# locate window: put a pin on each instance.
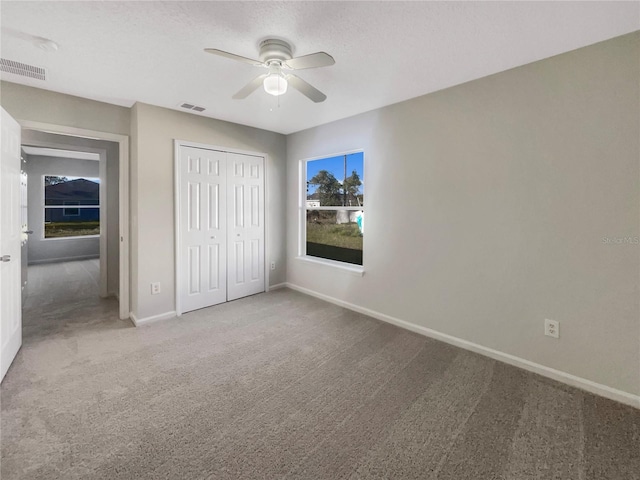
(71, 212)
(333, 208)
(82, 218)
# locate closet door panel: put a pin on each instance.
(245, 187)
(202, 228)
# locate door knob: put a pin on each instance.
(5, 258)
(29, 232)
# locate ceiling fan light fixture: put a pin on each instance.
(276, 55)
(275, 84)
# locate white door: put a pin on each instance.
(202, 234)
(245, 200)
(24, 221)
(10, 237)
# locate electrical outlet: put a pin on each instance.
(155, 288)
(273, 265)
(551, 328)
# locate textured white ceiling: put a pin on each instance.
(385, 52)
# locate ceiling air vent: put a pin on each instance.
(19, 68)
(191, 106)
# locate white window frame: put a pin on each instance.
(64, 207)
(303, 208)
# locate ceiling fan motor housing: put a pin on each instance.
(275, 50)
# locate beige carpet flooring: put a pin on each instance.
(282, 385)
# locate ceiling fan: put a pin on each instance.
(276, 56)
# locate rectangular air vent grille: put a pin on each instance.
(191, 106)
(19, 68)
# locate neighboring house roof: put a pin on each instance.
(314, 196)
(78, 190)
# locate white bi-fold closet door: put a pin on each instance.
(220, 228)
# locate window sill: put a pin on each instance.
(356, 270)
(77, 237)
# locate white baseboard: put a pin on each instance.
(558, 375)
(154, 318)
(278, 286)
(62, 259)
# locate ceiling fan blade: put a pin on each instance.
(313, 60)
(250, 87)
(307, 90)
(233, 56)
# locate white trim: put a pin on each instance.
(154, 318)
(218, 148)
(278, 286)
(123, 212)
(347, 267)
(333, 154)
(76, 237)
(63, 259)
(266, 200)
(69, 205)
(123, 193)
(176, 208)
(558, 375)
(176, 226)
(102, 199)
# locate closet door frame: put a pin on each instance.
(176, 201)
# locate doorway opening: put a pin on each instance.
(76, 250)
(69, 207)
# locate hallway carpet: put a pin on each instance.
(282, 385)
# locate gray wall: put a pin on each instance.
(152, 164)
(487, 206)
(43, 250)
(37, 105)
